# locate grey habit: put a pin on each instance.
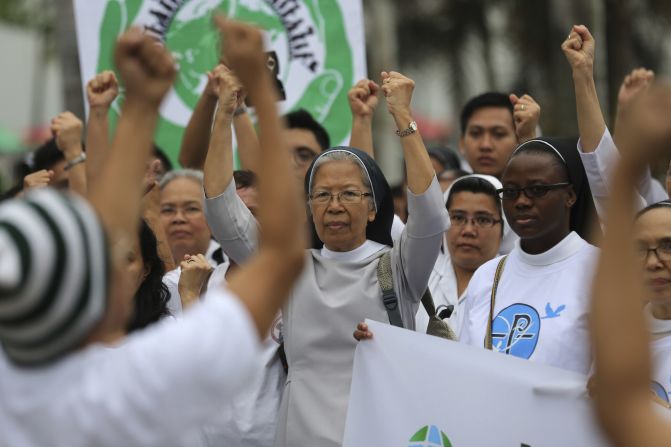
(327, 302)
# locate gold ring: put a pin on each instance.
(523, 107)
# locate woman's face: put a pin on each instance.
(183, 218)
(340, 226)
(653, 230)
(474, 243)
(540, 222)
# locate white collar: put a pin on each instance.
(655, 325)
(566, 248)
(360, 253)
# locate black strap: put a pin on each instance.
(389, 298)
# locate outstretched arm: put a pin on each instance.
(579, 51)
(101, 91)
(147, 71)
(196, 137)
(362, 102)
(620, 337)
(263, 284)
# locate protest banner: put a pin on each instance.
(319, 45)
(415, 390)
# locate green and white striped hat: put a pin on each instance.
(53, 275)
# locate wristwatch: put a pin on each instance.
(81, 158)
(412, 128)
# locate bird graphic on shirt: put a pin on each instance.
(553, 313)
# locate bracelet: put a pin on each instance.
(239, 111)
(81, 158)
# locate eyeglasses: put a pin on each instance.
(662, 251)
(479, 220)
(347, 196)
(532, 192)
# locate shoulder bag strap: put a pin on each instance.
(386, 281)
(490, 322)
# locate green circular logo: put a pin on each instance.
(429, 436)
(309, 37)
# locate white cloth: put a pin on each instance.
(600, 166)
(443, 288)
(360, 253)
(541, 307)
(156, 389)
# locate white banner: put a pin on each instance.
(319, 44)
(414, 390)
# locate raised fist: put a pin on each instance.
(67, 129)
(145, 67)
(526, 113)
(102, 90)
(363, 98)
(242, 47)
(645, 131)
(397, 90)
(579, 49)
(229, 89)
(634, 83)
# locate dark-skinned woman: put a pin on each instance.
(539, 311)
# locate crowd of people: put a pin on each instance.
(141, 304)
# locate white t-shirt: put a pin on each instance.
(541, 307)
(661, 355)
(156, 389)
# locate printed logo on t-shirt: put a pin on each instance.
(659, 391)
(515, 330)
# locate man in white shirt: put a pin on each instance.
(163, 382)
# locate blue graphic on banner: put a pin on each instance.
(515, 330)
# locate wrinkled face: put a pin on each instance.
(340, 226)
(489, 140)
(183, 218)
(304, 148)
(653, 230)
(250, 197)
(540, 222)
(471, 245)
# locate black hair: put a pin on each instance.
(654, 206)
(44, 157)
(151, 298)
(489, 99)
(476, 185)
(301, 119)
(458, 173)
(165, 161)
(244, 179)
(447, 156)
(540, 148)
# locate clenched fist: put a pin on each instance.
(145, 67)
(102, 90)
(397, 90)
(579, 49)
(363, 98)
(67, 129)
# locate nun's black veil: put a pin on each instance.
(379, 230)
(584, 219)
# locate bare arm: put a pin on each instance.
(248, 141)
(620, 337)
(100, 92)
(196, 137)
(219, 161)
(579, 51)
(264, 283)
(147, 71)
(398, 92)
(68, 130)
(362, 102)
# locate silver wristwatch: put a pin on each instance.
(412, 128)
